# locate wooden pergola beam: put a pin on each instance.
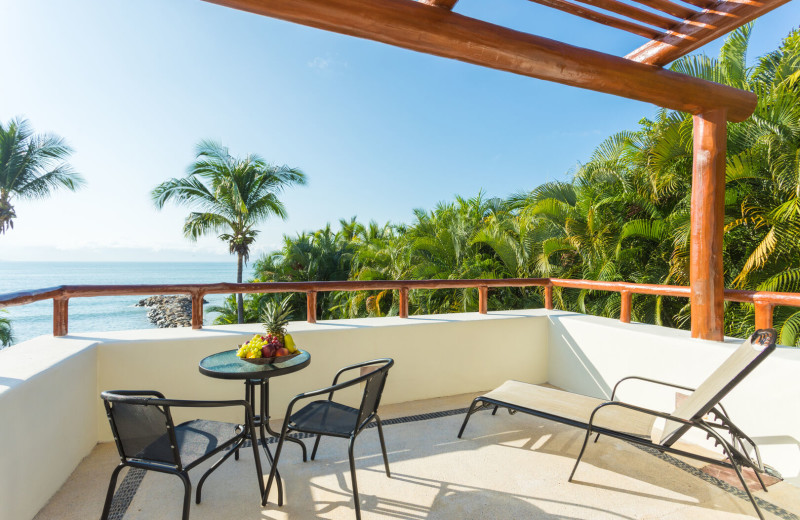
(414, 26)
(634, 13)
(611, 21)
(711, 23)
(665, 6)
(444, 4)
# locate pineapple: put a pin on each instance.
(276, 316)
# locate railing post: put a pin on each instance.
(60, 316)
(403, 312)
(197, 310)
(625, 309)
(483, 299)
(548, 297)
(311, 306)
(763, 315)
(707, 223)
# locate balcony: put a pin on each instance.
(504, 467)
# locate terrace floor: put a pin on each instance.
(505, 467)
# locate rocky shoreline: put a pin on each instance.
(169, 311)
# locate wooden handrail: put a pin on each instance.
(764, 301)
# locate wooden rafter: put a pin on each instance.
(617, 23)
(443, 33)
(635, 13)
(444, 4)
(711, 23)
(671, 8)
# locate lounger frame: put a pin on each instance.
(713, 421)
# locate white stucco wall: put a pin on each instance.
(48, 393)
(51, 414)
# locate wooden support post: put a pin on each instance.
(311, 306)
(707, 220)
(197, 310)
(60, 316)
(548, 297)
(483, 299)
(625, 309)
(403, 302)
(763, 315)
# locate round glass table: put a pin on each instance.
(226, 365)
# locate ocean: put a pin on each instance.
(107, 313)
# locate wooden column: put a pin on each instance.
(197, 311)
(403, 302)
(548, 297)
(60, 316)
(625, 309)
(483, 299)
(311, 306)
(707, 220)
(763, 315)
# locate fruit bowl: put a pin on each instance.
(270, 360)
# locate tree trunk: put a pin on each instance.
(239, 300)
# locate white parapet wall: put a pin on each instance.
(52, 414)
(589, 354)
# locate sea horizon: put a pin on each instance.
(108, 313)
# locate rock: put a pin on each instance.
(169, 311)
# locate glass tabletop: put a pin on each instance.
(226, 365)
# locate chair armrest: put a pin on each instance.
(353, 367)
(648, 380)
(184, 403)
(327, 390)
(692, 424)
(132, 393)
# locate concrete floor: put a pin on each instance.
(505, 467)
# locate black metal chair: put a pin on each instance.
(327, 417)
(147, 438)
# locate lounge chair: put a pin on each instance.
(701, 409)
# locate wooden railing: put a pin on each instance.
(764, 302)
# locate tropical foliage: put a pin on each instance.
(623, 217)
(31, 167)
(6, 336)
(230, 195)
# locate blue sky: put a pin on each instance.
(134, 85)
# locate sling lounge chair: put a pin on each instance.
(701, 409)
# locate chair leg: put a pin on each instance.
(257, 457)
(583, 448)
(494, 412)
(214, 467)
(469, 413)
(110, 494)
(383, 445)
(353, 477)
(273, 472)
(316, 445)
(187, 495)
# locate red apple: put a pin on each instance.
(267, 351)
(283, 351)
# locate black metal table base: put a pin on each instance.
(261, 421)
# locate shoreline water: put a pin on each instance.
(104, 313)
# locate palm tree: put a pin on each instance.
(6, 336)
(31, 166)
(231, 195)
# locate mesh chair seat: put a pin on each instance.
(196, 440)
(326, 417)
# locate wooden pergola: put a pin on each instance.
(673, 29)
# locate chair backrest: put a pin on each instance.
(373, 389)
(142, 429)
(738, 365)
